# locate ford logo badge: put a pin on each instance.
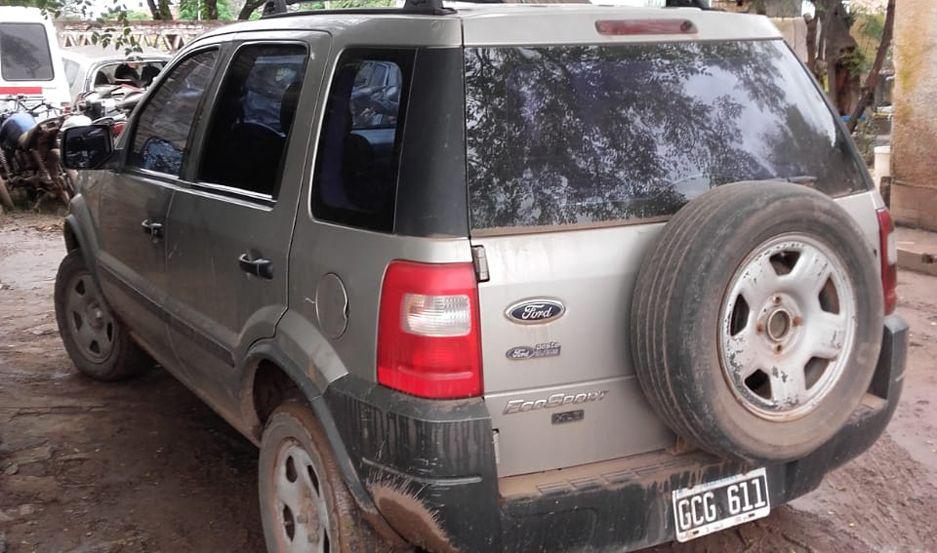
(535, 311)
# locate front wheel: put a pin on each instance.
(97, 341)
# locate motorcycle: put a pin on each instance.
(30, 157)
(110, 105)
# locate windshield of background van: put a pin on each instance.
(567, 135)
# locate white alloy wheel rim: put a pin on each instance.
(787, 326)
(301, 517)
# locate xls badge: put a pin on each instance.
(535, 311)
(520, 353)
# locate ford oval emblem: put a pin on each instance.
(535, 311)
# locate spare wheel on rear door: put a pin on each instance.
(756, 321)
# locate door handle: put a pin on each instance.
(260, 267)
(152, 228)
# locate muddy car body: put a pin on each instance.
(468, 308)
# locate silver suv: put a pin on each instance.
(511, 278)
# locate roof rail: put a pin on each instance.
(278, 8)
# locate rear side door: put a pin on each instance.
(230, 228)
(134, 201)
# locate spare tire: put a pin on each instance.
(756, 321)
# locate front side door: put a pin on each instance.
(134, 201)
(230, 231)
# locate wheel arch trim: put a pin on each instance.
(269, 351)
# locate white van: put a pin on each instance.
(30, 62)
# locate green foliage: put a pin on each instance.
(188, 9)
(856, 62)
(340, 4)
(117, 36)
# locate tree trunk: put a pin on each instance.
(164, 13)
(154, 10)
(838, 45)
(211, 7)
(812, 44)
(249, 8)
(868, 91)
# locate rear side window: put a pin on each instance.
(163, 126)
(253, 116)
(357, 161)
(24, 52)
(578, 135)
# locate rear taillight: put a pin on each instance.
(428, 341)
(889, 256)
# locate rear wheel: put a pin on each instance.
(304, 505)
(757, 321)
(96, 340)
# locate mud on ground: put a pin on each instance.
(146, 466)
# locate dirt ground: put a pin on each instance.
(145, 466)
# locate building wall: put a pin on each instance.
(914, 131)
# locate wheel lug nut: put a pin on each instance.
(759, 328)
(798, 320)
(777, 300)
(777, 348)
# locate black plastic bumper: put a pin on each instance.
(430, 467)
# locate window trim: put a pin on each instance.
(45, 33)
(362, 51)
(127, 167)
(222, 75)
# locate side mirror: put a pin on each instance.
(86, 147)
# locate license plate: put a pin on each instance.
(714, 506)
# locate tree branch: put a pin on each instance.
(871, 82)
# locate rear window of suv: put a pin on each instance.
(24, 52)
(580, 135)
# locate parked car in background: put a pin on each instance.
(30, 63)
(88, 68)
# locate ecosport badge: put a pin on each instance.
(535, 311)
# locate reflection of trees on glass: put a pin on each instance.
(24, 52)
(576, 134)
(163, 126)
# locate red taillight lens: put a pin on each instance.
(889, 256)
(428, 341)
(645, 27)
(118, 127)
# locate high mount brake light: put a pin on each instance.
(889, 256)
(428, 341)
(614, 27)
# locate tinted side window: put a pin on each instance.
(24, 52)
(355, 181)
(254, 112)
(163, 126)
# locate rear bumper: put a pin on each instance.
(430, 467)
